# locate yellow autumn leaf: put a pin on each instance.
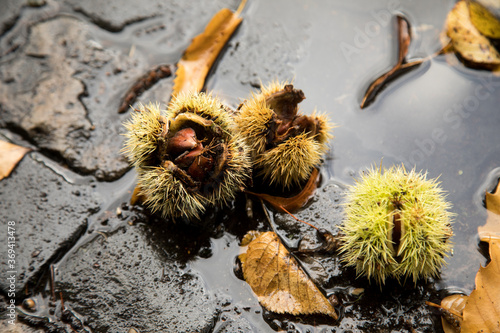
(483, 18)
(468, 41)
(10, 155)
(491, 230)
(200, 55)
(279, 282)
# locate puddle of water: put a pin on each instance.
(437, 118)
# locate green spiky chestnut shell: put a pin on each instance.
(285, 145)
(397, 225)
(187, 157)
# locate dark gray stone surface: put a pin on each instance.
(18, 327)
(41, 98)
(114, 15)
(230, 323)
(49, 215)
(128, 280)
(9, 13)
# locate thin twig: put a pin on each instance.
(309, 224)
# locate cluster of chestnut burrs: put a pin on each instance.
(198, 153)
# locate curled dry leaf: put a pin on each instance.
(10, 155)
(401, 66)
(468, 41)
(292, 204)
(200, 55)
(279, 282)
(491, 230)
(482, 311)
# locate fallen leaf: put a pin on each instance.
(453, 304)
(468, 42)
(482, 311)
(10, 155)
(401, 66)
(279, 282)
(491, 230)
(137, 197)
(485, 15)
(199, 57)
(292, 204)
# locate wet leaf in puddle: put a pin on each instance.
(10, 155)
(491, 230)
(401, 66)
(453, 307)
(292, 204)
(279, 282)
(468, 41)
(199, 57)
(485, 15)
(482, 311)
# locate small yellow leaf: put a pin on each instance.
(468, 41)
(200, 55)
(278, 281)
(481, 14)
(482, 311)
(491, 230)
(10, 155)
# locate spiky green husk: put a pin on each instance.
(253, 124)
(161, 185)
(290, 162)
(142, 134)
(204, 105)
(324, 130)
(235, 174)
(166, 194)
(423, 212)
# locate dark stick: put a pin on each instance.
(143, 84)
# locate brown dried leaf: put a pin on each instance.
(199, 57)
(491, 230)
(472, 46)
(401, 66)
(292, 204)
(482, 311)
(454, 304)
(137, 197)
(278, 281)
(10, 155)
